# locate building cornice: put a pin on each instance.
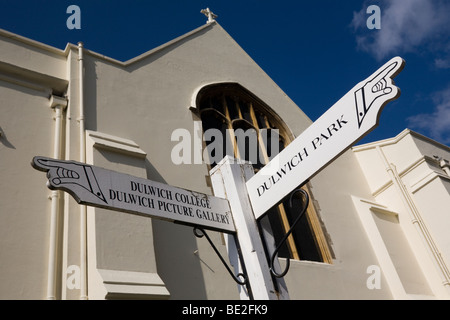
(70, 46)
(33, 43)
(396, 139)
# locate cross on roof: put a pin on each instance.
(211, 16)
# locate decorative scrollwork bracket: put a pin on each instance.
(199, 233)
(274, 254)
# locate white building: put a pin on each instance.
(376, 228)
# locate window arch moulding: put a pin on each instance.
(235, 86)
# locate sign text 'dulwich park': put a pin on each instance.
(347, 121)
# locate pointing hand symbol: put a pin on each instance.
(66, 175)
(379, 89)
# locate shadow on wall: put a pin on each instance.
(176, 262)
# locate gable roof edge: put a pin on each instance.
(168, 44)
(263, 71)
(150, 52)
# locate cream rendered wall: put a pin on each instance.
(26, 130)
(436, 213)
(32, 55)
(405, 177)
(29, 73)
(332, 189)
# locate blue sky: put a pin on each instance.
(315, 51)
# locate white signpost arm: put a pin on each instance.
(228, 180)
(99, 187)
(347, 121)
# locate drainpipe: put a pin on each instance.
(417, 220)
(58, 104)
(83, 209)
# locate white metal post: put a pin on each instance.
(228, 180)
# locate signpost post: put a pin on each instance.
(228, 179)
(248, 196)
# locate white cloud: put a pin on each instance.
(442, 63)
(412, 26)
(437, 123)
(407, 25)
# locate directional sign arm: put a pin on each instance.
(347, 121)
(99, 187)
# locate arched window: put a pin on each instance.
(250, 130)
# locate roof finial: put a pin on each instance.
(211, 16)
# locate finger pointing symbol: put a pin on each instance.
(379, 88)
(67, 175)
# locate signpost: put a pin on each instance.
(347, 121)
(248, 196)
(108, 189)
